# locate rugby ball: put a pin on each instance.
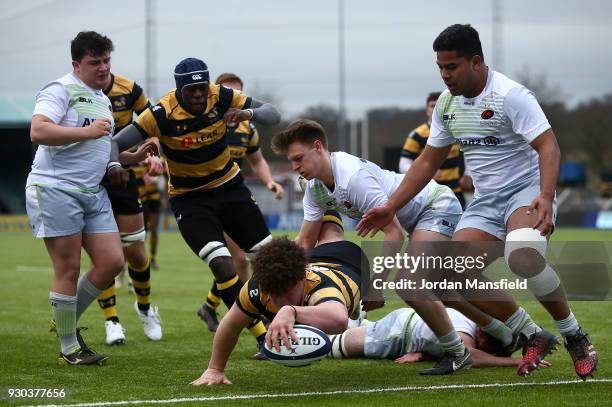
(312, 345)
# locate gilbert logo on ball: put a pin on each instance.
(312, 345)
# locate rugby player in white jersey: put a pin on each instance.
(352, 185)
(67, 207)
(403, 336)
(513, 156)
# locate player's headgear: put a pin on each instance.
(191, 71)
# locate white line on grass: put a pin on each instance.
(325, 393)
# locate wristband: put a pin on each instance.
(251, 113)
(112, 164)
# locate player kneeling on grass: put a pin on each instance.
(287, 287)
(403, 336)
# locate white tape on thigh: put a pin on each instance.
(253, 250)
(128, 239)
(544, 283)
(525, 238)
(213, 250)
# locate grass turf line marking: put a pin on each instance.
(325, 393)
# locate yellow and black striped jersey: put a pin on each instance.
(324, 282)
(126, 98)
(195, 147)
(452, 168)
(243, 139)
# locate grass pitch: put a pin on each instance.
(142, 371)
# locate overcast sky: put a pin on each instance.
(290, 48)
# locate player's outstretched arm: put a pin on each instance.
(223, 344)
(419, 174)
(260, 112)
(308, 235)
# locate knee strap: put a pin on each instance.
(128, 239)
(213, 250)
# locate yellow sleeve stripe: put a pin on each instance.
(412, 146)
(326, 293)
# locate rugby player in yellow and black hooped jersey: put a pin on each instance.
(127, 98)
(243, 141)
(207, 191)
(451, 172)
(321, 290)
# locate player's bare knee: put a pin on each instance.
(115, 263)
(136, 255)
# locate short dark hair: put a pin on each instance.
(90, 43)
(433, 97)
(462, 38)
(279, 266)
(303, 130)
(229, 77)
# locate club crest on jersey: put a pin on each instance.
(487, 114)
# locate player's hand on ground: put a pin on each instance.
(281, 328)
(234, 116)
(117, 176)
(544, 363)
(211, 377)
(542, 205)
(277, 188)
(410, 357)
(374, 220)
(156, 168)
(97, 128)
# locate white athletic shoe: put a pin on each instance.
(151, 322)
(115, 334)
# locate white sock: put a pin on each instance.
(568, 326)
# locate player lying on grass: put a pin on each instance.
(403, 336)
(321, 290)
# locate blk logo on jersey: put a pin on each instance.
(84, 100)
(487, 114)
(448, 116)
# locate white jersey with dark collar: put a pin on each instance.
(358, 186)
